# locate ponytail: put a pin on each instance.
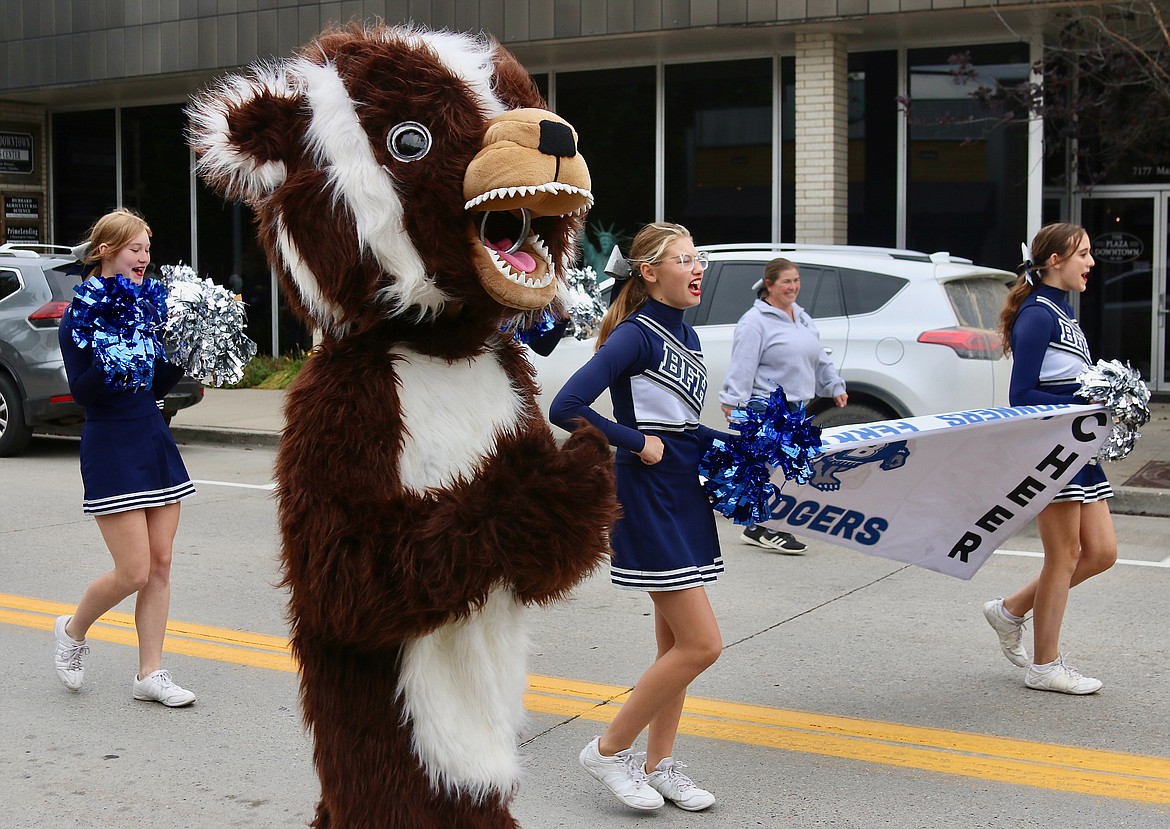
(648, 248)
(1058, 239)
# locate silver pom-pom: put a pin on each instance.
(585, 306)
(204, 331)
(1121, 390)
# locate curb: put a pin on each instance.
(1140, 500)
(225, 437)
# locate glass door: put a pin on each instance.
(1162, 278)
(1123, 310)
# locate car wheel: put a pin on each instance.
(848, 415)
(14, 432)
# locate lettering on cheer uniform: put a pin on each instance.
(1072, 336)
(681, 370)
(1085, 429)
(669, 398)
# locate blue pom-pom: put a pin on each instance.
(119, 321)
(523, 329)
(738, 470)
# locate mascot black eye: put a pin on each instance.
(408, 141)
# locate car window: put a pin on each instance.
(977, 301)
(733, 293)
(866, 291)
(9, 282)
(820, 292)
(62, 279)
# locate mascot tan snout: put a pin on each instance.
(412, 193)
(529, 166)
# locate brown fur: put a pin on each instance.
(372, 563)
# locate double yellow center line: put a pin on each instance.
(1112, 774)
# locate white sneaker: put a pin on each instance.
(622, 774)
(670, 782)
(1010, 633)
(158, 687)
(68, 655)
(1063, 679)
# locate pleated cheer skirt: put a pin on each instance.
(1088, 486)
(666, 537)
(131, 464)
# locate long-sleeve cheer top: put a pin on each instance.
(653, 366)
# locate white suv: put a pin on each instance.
(910, 333)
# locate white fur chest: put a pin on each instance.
(462, 685)
(452, 413)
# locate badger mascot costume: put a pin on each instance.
(414, 196)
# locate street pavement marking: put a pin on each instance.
(1130, 562)
(267, 487)
(1112, 774)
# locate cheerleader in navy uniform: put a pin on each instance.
(133, 475)
(1076, 529)
(665, 542)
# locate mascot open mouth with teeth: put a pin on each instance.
(413, 194)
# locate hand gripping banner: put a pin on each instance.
(940, 491)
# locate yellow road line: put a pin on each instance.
(1063, 768)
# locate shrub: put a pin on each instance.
(266, 372)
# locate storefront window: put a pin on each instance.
(787, 149)
(155, 178)
(85, 182)
(873, 148)
(719, 149)
(230, 254)
(613, 113)
(967, 170)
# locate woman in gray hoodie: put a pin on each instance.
(776, 343)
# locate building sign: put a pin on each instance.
(1117, 248)
(31, 234)
(27, 208)
(16, 153)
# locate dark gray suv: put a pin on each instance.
(36, 286)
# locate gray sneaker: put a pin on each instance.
(1064, 679)
(622, 774)
(158, 687)
(670, 782)
(1010, 633)
(68, 655)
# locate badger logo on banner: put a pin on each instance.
(941, 491)
(826, 468)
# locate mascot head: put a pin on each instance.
(400, 177)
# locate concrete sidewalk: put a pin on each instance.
(254, 417)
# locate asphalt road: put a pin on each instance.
(853, 691)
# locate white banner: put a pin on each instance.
(940, 491)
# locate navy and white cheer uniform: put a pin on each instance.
(1049, 351)
(652, 365)
(128, 458)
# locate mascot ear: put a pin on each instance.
(246, 129)
(512, 83)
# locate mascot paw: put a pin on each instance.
(588, 445)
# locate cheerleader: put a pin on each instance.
(1076, 529)
(665, 543)
(133, 475)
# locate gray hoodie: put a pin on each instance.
(769, 348)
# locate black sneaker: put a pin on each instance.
(772, 540)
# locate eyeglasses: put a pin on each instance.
(688, 261)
